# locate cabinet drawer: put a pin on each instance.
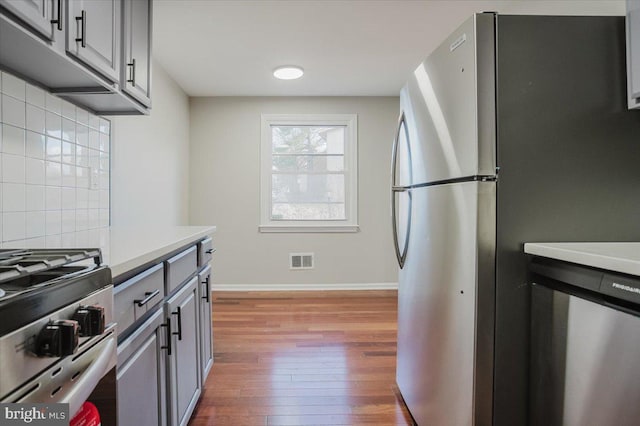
(205, 252)
(134, 297)
(180, 267)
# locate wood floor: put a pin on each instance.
(303, 358)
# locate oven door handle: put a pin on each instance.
(77, 394)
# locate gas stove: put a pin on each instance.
(57, 335)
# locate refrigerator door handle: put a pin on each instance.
(401, 254)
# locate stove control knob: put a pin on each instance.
(58, 338)
(90, 319)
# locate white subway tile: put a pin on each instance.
(39, 242)
(13, 140)
(34, 171)
(68, 110)
(104, 217)
(104, 161)
(54, 240)
(53, 103)
(94, 199)
(82, 219)
(68, 240)
(68, 221)
(35, 95)
(69, 175)
(94, 122)
(104, 142)
(68, 130)
(82, 116)
(104, 180)
(35, 198)
(94, 219)
(105, 126)
(82, 198)
(82, 135)
(104, 199)
(94, 139)
(68, 198)
(53, 198)
(13, 86)
(35, 145)
(82, 177)
(13, 111)
(13, 226)
(53, 173)
(35, 119)
(54, 125)
(54, 149)
(53, 222)
(94, 158)
(13, 168)
(35, 224)
(82, 156)
(13, 197)
(68, 153)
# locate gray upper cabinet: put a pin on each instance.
(39, 15)
(633, 53)
(93, 34)
(136, 70)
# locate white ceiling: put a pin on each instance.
(347, 48)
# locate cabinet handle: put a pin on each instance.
(132, 64)
(206, 283)
(83, 28)
(179, 314)
(150, 295)
(58, 19)
(210, 251)
(169, 334)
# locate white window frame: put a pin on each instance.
(350, 121)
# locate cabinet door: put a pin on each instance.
(38, 14)
(93, 34)
(136, 79)
(206, 338)
(141, 381)
(184, 388)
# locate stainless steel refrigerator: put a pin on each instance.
(514, 130)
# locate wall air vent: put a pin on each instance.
(300, 260)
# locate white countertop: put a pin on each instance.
(124, 249)
(618, 257)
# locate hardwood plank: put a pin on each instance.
(303, 358)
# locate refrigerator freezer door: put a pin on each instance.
(445, 305)
(449, 105)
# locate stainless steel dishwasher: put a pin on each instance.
(585, 346)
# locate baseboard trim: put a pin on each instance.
(304, 287)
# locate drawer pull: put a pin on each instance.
(206, 288)
(210, 251)
(149, 295)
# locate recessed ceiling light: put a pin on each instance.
(288, 72)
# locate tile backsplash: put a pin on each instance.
(54, 168)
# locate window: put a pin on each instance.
(309, 173)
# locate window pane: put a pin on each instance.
(281, 211)
(307, 139)
(307, 163)
(303, 188)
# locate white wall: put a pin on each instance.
(225, 191)
(150, 160)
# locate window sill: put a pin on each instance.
(308, 228)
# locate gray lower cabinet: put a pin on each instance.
(181, 312)
(141, 375)
(37, 14)
(206, 337)
(93, 34)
